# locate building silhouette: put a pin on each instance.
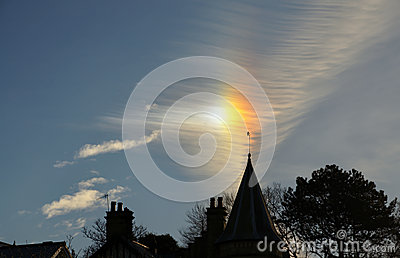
(248, 224)
(120, 241)
(45, 249)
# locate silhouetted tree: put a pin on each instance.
(96, 233)
(70, 238)
(395, 237)
(160, 244)
(196, 220)
(274, 197)
(334, 200)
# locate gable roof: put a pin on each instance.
(123, 245)
(45, 249)
(249, 218)
(3, 244)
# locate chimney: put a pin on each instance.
(216, 221)
(119, 223)
(220, 202)
(212, 202)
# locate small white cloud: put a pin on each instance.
(63, 163)
(114, 193)
(95, 172)
(63, 223)
(70, 225)
(84, 199)
(151, 107)
(80, 223)
(91, 182)
(89, 150)
(24, 212)
(81, 200)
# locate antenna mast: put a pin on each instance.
(106, 197)
(248, 134)
(108, 203)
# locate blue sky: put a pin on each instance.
(330, 69)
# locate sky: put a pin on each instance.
(331, 71)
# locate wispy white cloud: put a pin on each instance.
(90, 150)
(84, 199)
(63, 163)
(91, 182)
(293, 48)
(110, 122)
(72, 224)
(319, 41)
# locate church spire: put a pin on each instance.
(249, 218)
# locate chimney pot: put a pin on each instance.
(212, 202)
(113, 205)
(120, 206)
(220, 202)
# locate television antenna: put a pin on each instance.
(105, 196)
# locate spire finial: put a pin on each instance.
(248, 134)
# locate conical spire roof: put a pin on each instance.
(249, 218)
